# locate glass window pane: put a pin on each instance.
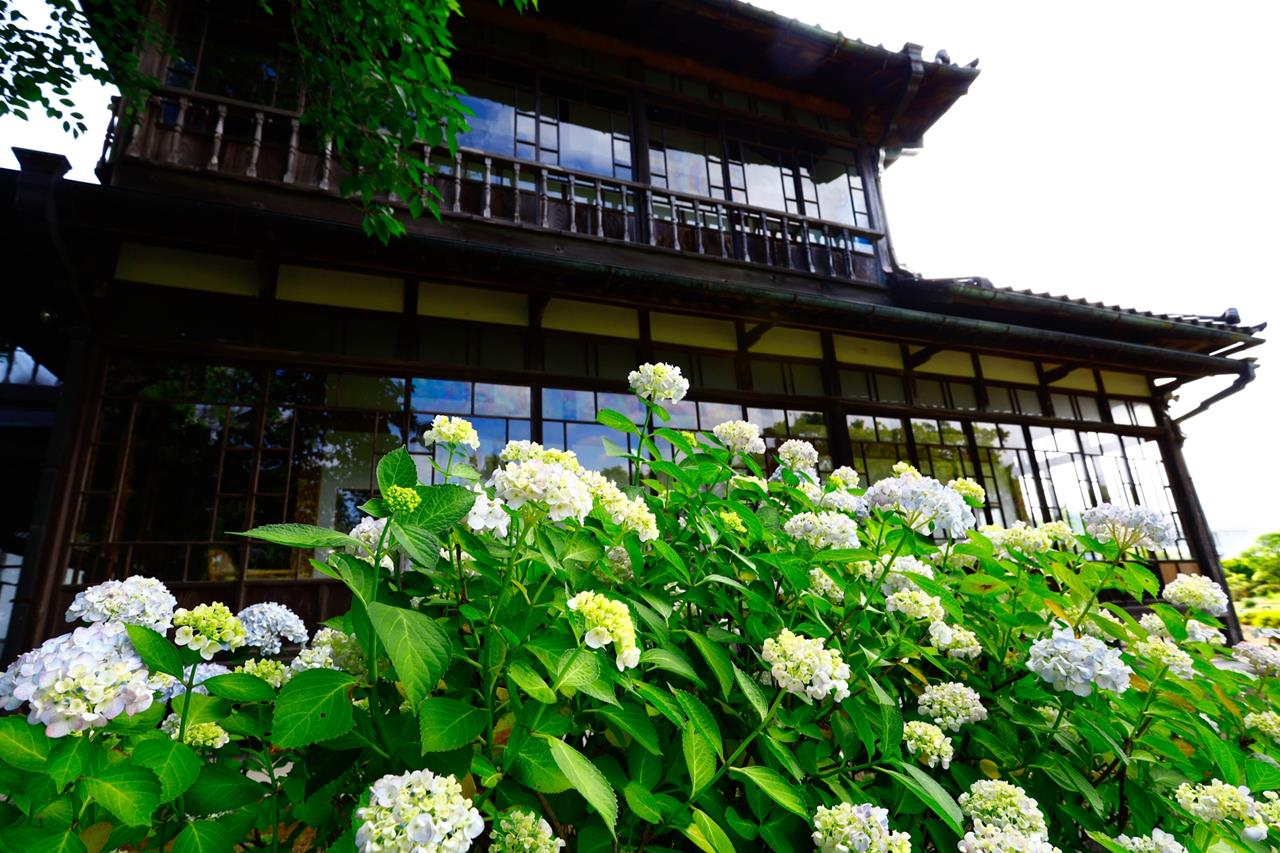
(1088, 407)
(508, 400)
(764, 177)
(560, 404)
(712, 414)
(767, 376)
(1029, 402)
(855, 384)
(889, 388)
(1120, 412)
(806, 379)
(929, 393)
(492, 128)
(1062, 407)
(834, 201)
(963, 395)
(441, 396)
(718, 371)
(627, 404)
(1143, 414)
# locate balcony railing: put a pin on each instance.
(247, 141)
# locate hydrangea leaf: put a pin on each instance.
(67, 760)
(130, 793)
(315, 705)
(587, 779)
(449, 724)
(717, 660)
(530, 682)
(634, 721)
(397, 469)
(204, 836)
(240, 687)
(701, 719)
(931, 794)
(616, 421)
(777, 788)
(755, 696)
(176, 765)
(418, 647)
(23, 745)
(700, 760)
(442, 507)
(156, 651)
(299, 536)
(220, 788)
(61, 842)
(420, 544)
(707, 835)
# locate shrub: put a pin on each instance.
(700, 658)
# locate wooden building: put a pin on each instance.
(207, 341)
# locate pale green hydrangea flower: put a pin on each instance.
(208, 629)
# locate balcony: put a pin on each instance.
(207, 135)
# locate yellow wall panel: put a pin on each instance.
(1080, 379)
(800, 343)
(474, 304)
(1130, 384)
(949, 363)
(593, 318)
(192, 270)
(1000, 369)
(692, 331)
(321, 286)
(866, 351)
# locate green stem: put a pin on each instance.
(644, 438)
(1093, 599)
(742, 747)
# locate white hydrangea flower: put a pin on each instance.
(369, 532)
(135, 600)
(1262, 661)
(864, 828)
(951, 705)
(198, 735)
(658, 382)
(745, 481)
(916, 604)
(740, 437)
(1164, 654)
(985, 838)
(1196, 591)
(273, 672)
(1078, 664)
(1129, 527)
(78, 681)
(457, 432)
(550, 484)
(822, 584)
(620, 568)
(898, 577)
(417, 812)
(1266, 722)
(805, 667)
(633, 514)
(954, 640)
(523, 451)
(1153, 625)
(208, 629)
(608, 621)
(843, 501)
(489, 514)
(1158, 841)
(266, 624)
(522, 831)
(1058, 531)
(843, 478)
(332, 649)
(998, 803)
(1217, 801)
(1017, 537)
(922, 502)
(823, 530)
(929, 743)
(799, 455)
(1198, 632)
(966, 487)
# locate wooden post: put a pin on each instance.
(218, 130)
(258, 120)
(291, 166)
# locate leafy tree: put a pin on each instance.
(376, 73)
(1256, 571)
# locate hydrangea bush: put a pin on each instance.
(726, 652)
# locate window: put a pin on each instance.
(779, 425)
(878, 445)
(230, 50)
(786, 377)
(500, 413)
(684, 154)
(1007, 474)
(569, 423)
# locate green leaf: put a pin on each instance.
(315, 705)
(530, 682)
(62, 842)
(23, 745)
(419, 648)
(707, 835)
(176, 765)
(671, 661)
(534, 767)
(642, 803)
(449, 724)
(1261, 776)
(616, 421)
(240, 687)
(699, 758)
(204, 836)
(575, 669)
(775, 787)
(663, 701)
(717, 659)
(156, 651)
(584, 548)
(1062, 772)
(634, 721)
(130, 793)
(219, 789)
(299, 536)
(755, 696)
(397, 469)
(67, 760)
(587, 779)
(420, 544)
(442, 506)
(701, 720)
(931, 794)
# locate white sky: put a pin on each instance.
(1121, 151)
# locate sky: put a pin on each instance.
(1118, 151)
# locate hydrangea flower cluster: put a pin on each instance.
(608, 621)
(1267, 722)
(985, 838)
(805, 667)
(619, 561)
(1197, 631)
(402, 500)
(198, 735)
(1165, 654)
(457, 432)
(915, 604)
(1078, 664)
(969, 488)
(658, 382)
(170, 688)
(273, 672)
(489, 514)
(822, 584)
(550, 484)
(1196, 591)
(739, 437)
(369, 533)
(522, 831)
(823, 530)
(523, 451)
(332, 649)
(746, 481)
(1019, 536)
(1000, 804)
(898, 577)
(1217, 801)
(799, 455)
(863, 827)
(633, 514)
(843, 501)
(922, 501)
(79, 680)
(1262, 661)
(1129, 527)
(843, 478)
(135, 600)
(951, 705)
(268, 623)
(732, 521)
(1158, 841)
(955, 641)
(208, 629)
(417, 811)
(1058, 531)
(929, 743)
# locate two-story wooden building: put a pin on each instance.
(211, 343)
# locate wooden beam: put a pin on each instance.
(1060, 372)
(922, 355)
(753, 335)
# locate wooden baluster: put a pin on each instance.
(218, 130)
(258, 120)
(697, 225)
(488, 186)
(675, 223)
(648, 212)
(457, 182)
(573, 204)
(599, 211)
(768, 238)
(515, 191)
(626, 216)
(135, 141)
(326, 165)
(426, 172)
(176, 139)
(826, 241)
(848, 251)
(291, 165)
(724, 253)
(746, 243)
(544, 203)
(808, 247)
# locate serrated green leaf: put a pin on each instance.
(204, 836)
(397, 469)
(755, 696)
(534, 767)
(61, 842)
(23, 745)
(218, 789)
(67, 760)
(707, 835)
(576, 668)
(130, 793)
(634, 721)
(701, 720)
(642, 803)
(176, 765)
(616, 421)
(699, 758)
(442, 506)
(240, 687)
(418, 647)
(671, 661)
(448, 724)
(156, 651)
(314, 706)
(530, 682)
(717, 660)
(420, 544)
(775, 787)
(587, 779)
(931, 794)
(299, 536)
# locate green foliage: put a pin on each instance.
(1255, 571)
